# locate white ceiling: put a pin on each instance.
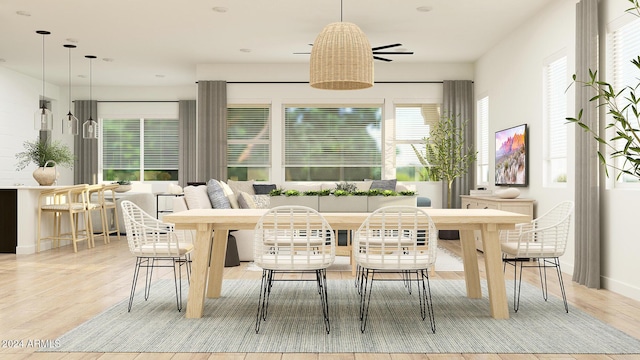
(147, 38)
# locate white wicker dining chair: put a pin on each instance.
(293, 239)
(396, 239)
(154, 243)
(542, 240)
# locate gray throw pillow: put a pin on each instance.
(384, 184)
(216, 194)
(263, 189)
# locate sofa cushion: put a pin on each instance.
(197, 197)
(262, 201)
(302, 187)
(216, 194)
(263, 189)
(246, 201)
(233, 200)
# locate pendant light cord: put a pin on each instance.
(42, 105)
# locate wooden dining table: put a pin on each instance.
(208, 256)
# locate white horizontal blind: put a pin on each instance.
(333, 136)
(482, 160)
(412, 125)
(624, 45)
(121, 144)
(161, 144)
(555, 114)
(248, 136)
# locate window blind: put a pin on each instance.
(555, 114)
(333, 136)
(161, 142)
(248, 136)
(412, 125)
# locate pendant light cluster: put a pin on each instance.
(43, 119)
(341, 58)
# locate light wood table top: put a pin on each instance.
(488, 221)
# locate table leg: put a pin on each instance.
(216, 268)
(199, 264)
(495, 275)
(470, 262)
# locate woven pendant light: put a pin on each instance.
(341, 58)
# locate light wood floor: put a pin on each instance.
(47, 294)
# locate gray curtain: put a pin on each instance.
(212, 130)
(458, 103)
(85, 170)
(188, 142)
(587, 193)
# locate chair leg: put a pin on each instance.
(177, 280)
(425, 298)
(564, 295)
(321, 277)
(365, 297)
(148, 276)
(263, 298)
(136, 271)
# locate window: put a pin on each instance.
(482, 160)
(131, 147)
(624, 46)
(555, 128)
(249, 142)
(332, 143)
(412, 125)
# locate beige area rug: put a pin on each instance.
(446, 261)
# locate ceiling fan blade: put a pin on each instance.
(382, 59)
(385, 47)
(393, 53)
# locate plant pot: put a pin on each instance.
(45, 176)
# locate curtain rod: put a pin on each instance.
(306, 82)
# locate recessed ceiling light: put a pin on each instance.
(108, 59)
(220, 9)
(424, 8)
(245, 50)
(23, 13)
(72, 40)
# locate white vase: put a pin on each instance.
(45, 176)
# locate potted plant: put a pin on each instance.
(46, 155)
(123, 186)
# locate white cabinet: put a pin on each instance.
(521, 206)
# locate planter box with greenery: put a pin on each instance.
(342, 201)
(378, 199)
(279, 197)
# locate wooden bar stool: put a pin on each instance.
(69, 200)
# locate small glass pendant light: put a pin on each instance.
(70, 122)
(42, 118)
(90, 127)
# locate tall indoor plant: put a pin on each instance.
(46, 155)
(446, 152)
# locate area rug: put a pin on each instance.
(294, 324)
(445, 261)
